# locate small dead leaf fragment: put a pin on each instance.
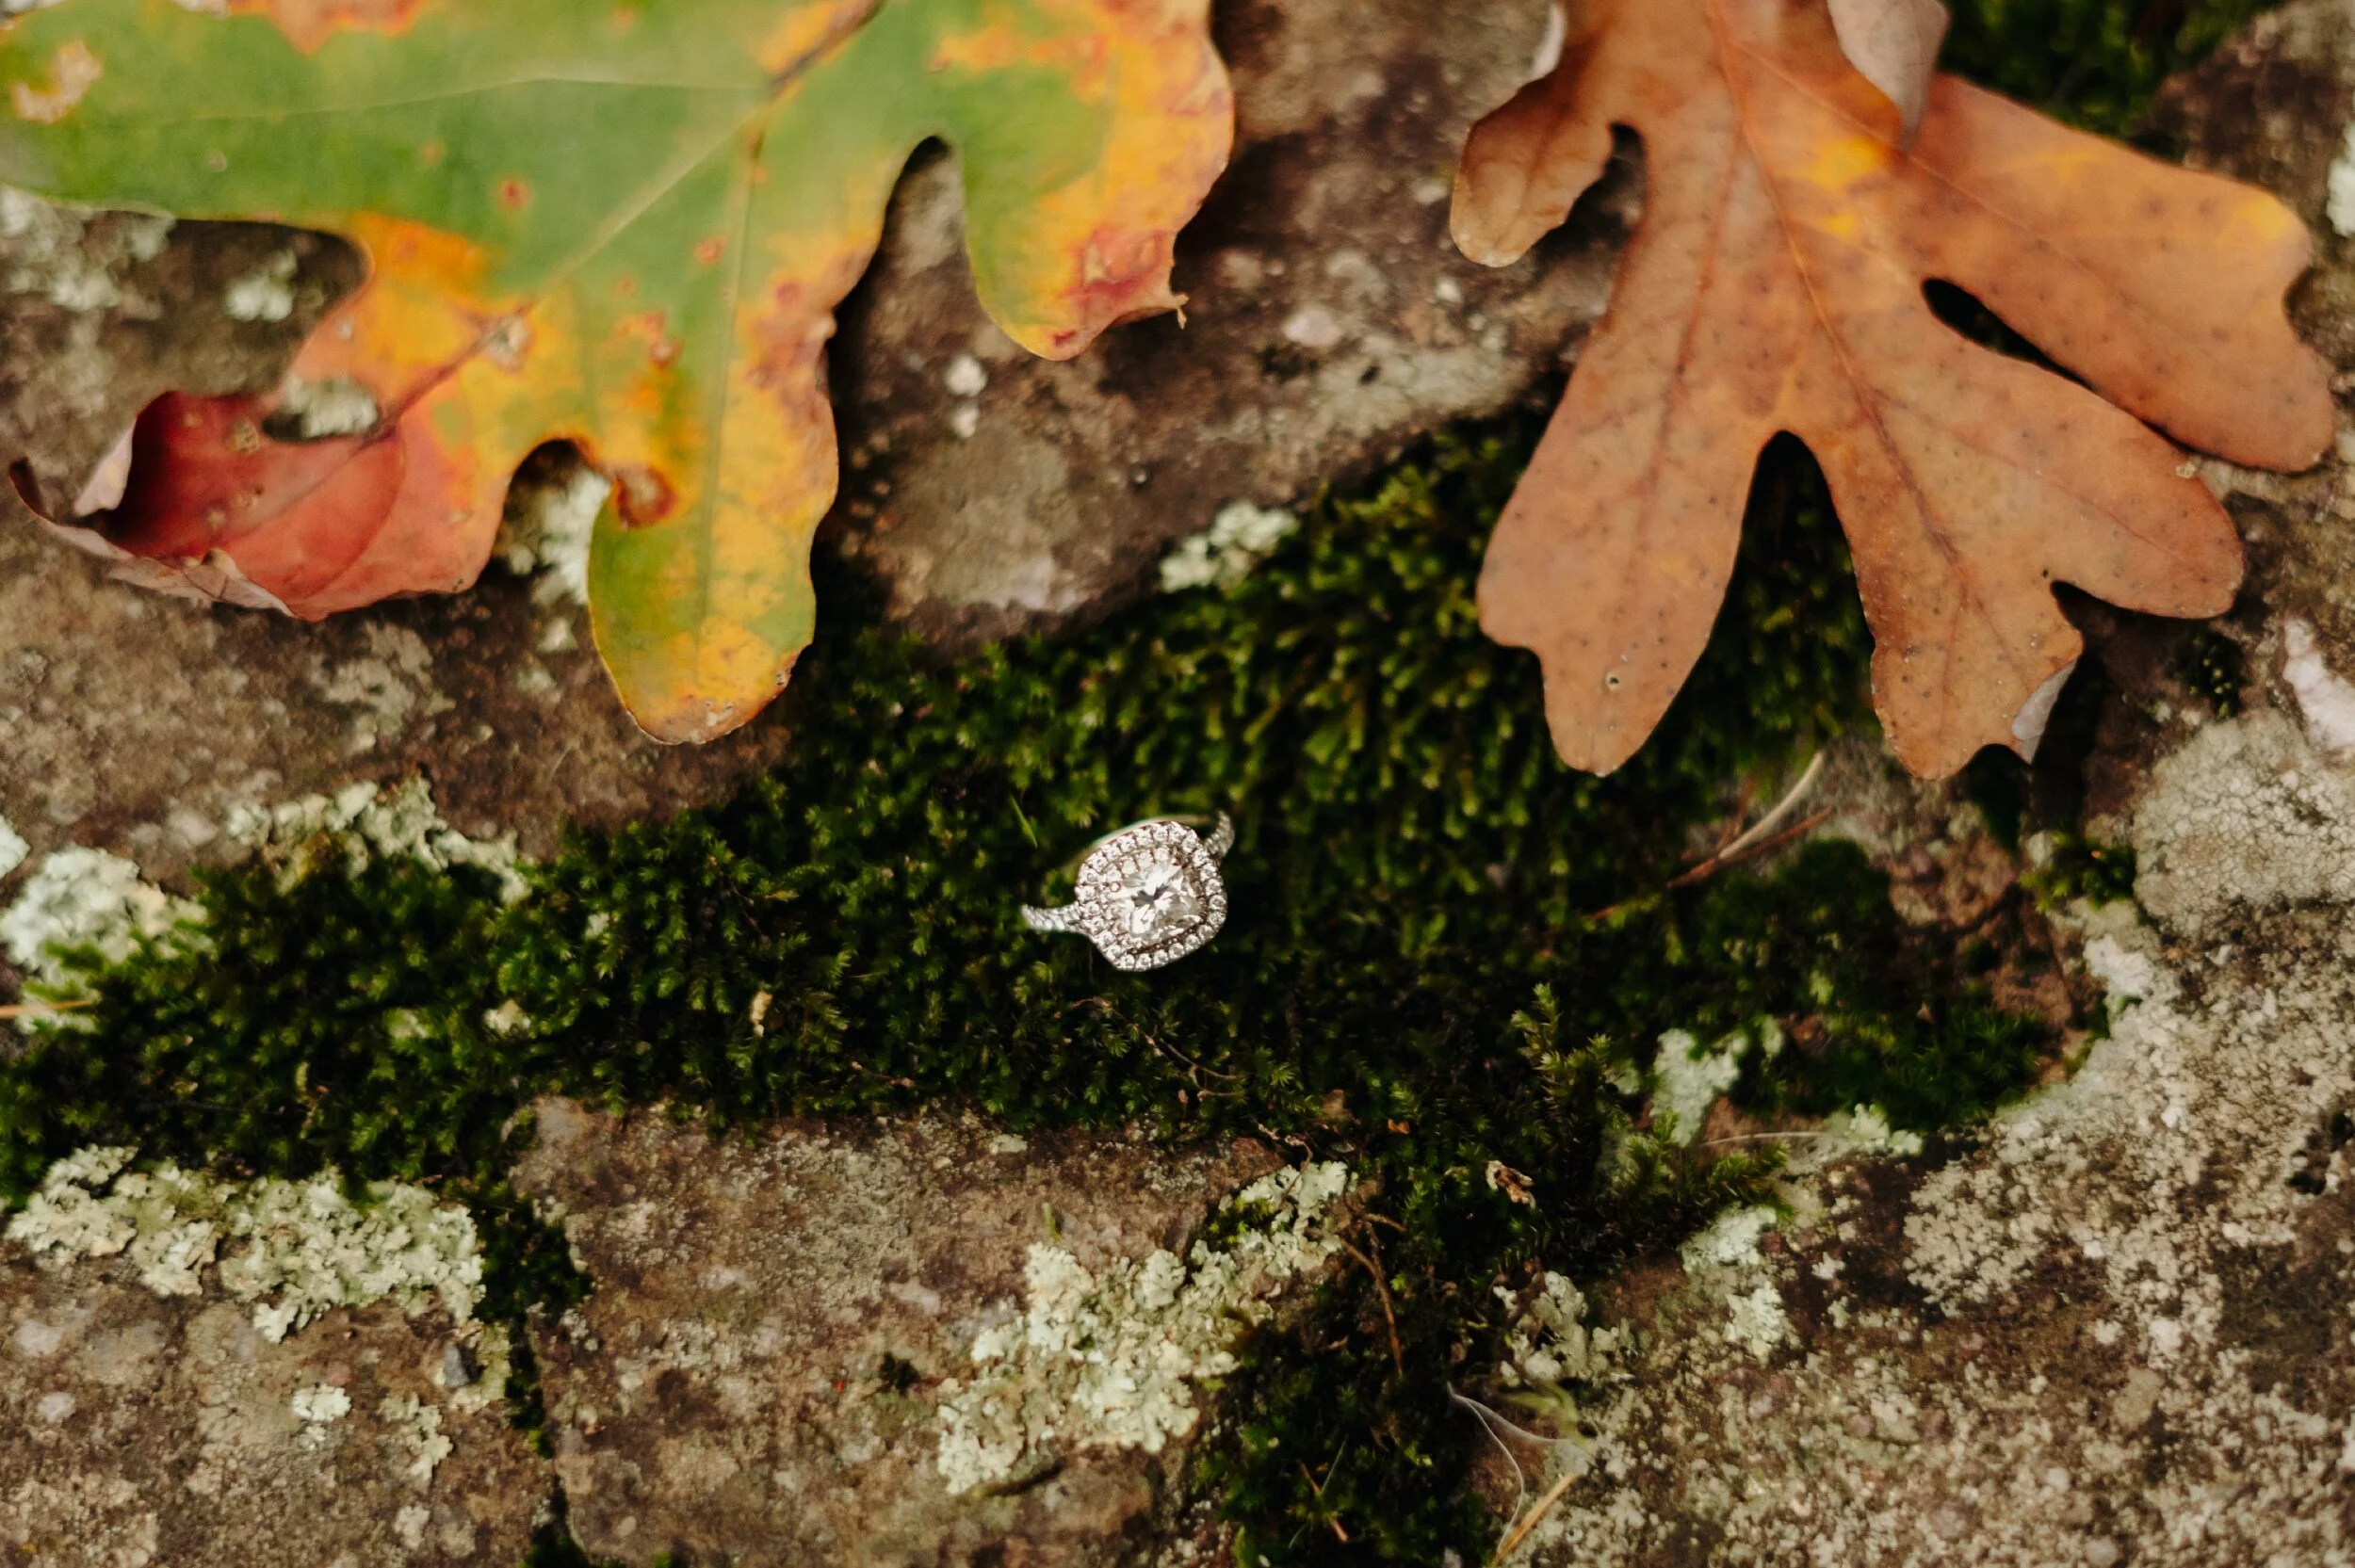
(1776, 284)
(1895, 43)
(1503, 1178)
(102, 491)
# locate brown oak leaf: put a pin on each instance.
(1776, 284)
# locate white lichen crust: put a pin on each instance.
(1550, 1347)
(1109, 1360)
(2111, 1328)
(85, 898)
(1239, 538)
(292, 1249)
(363, 823)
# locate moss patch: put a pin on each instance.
(1413, 863)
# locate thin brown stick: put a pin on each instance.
(1531, 1520)
(1733, 826)
(1739, 844)
(1398, 1354)
(1334, 1520)
(1766, 846)
(34, 1010)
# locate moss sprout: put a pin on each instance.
(2070, 866)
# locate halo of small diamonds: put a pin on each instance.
(1149, 895)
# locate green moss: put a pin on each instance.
(2096, 63)
(1412, 864)
(2078, 867)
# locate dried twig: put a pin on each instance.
(1398, 1355)
(1741, 802)
(1761, 1137)
(1752, 842)
(1317, 1487)
(1531, 1520)
(1755, 839)
(1767, 846)
(34, 1010)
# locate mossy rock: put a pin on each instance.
(1447, 950)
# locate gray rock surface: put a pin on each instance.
(140, 723)
(138, 1430)
(756, 1376)
(1328, 319)
(2113, 1328)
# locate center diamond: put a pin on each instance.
(1156, 898)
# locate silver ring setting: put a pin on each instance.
(1147, 895)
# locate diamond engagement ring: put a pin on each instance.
(1147, 894)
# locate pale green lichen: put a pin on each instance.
(264, 294)
(1723, 1259)
(293, 1248)
(363, 823)
(1864, 1130)
(1238, 538)
(82, 899)
(1731, 1241)
(1688, 1079)
(319, 1407)
(546, 530)
(79, 897)
(1109, 1360)
(1755, 1320)
(1550, 1341)
(419, 1425)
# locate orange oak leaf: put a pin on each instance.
(1776, 284)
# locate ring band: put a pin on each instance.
(1147, 895)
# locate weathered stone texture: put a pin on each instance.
(2113, 1327)
(754, 1377)
(140, 1431)
(1328, 319)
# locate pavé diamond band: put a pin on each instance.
(1147, 894)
